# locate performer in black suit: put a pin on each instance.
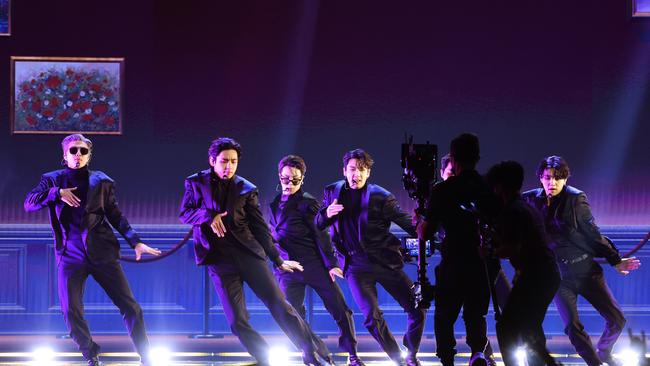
(360, 216)
(576, 240)
(81, 204)
(521, 238)
(461, 278)
(232, 238)
(293, 228)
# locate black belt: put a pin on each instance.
(575, 260)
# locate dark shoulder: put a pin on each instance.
(244, 185)
(532, 194)
(332, 186)
(101, 176)
(198, 176)
(574, 192)
(375, 189)
(306, 197)
(308, 203)
(54, 174)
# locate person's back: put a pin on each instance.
(461, 277)
(526, 223)
(520, 237)
(461, 230)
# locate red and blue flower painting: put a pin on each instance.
(67, 95)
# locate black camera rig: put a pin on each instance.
(419, 162)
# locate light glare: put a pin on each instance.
(278, 356)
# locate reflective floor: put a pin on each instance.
(225, 350)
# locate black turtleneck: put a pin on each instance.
(72, 217)
(220, 191)
(351, 201)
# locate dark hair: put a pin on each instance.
(465, 149)
(445, 161)
(364, 159)
(223, 143)
(556, 163)
(508, 174)
(293, 161)
(76, 137)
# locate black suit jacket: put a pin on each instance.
(294, 230)
(571, 226)
(378, 209)
(101, 209)
(244, 219)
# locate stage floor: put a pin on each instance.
(226, 350)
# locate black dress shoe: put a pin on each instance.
(411, 360)
(94, 362)
(354, 360)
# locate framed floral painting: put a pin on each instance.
(66, 95)
(5, 17)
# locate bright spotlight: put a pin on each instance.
(278, 356)
(520, 354)
(43, 356)
(404, 353)
(160, 356)
(628, 357)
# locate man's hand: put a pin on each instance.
(218, 226)
(334, 208)
(335, 272)
(290, 266)
(627, 265)
(141, 248)
(68, 197)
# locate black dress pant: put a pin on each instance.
(228, 275)
(72, 275)
(462, 284)
(363, 285)
(524, 312)
(591, 285)
(316, 276)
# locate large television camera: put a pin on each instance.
(419, 164)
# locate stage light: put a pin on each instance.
(628, 357)
(278, 356)
(405, 353)
(520, 354)
(160, 356)
(43, 356)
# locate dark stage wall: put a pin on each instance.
(319, 78)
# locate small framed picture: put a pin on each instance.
(66, 95)
(5, 17)
(641, 8)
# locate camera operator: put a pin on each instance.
(522, 238)
(498, 279)
(461, 278)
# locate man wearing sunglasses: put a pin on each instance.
(292, 223)
(360, 216)
(81, 203)
(232, 238)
